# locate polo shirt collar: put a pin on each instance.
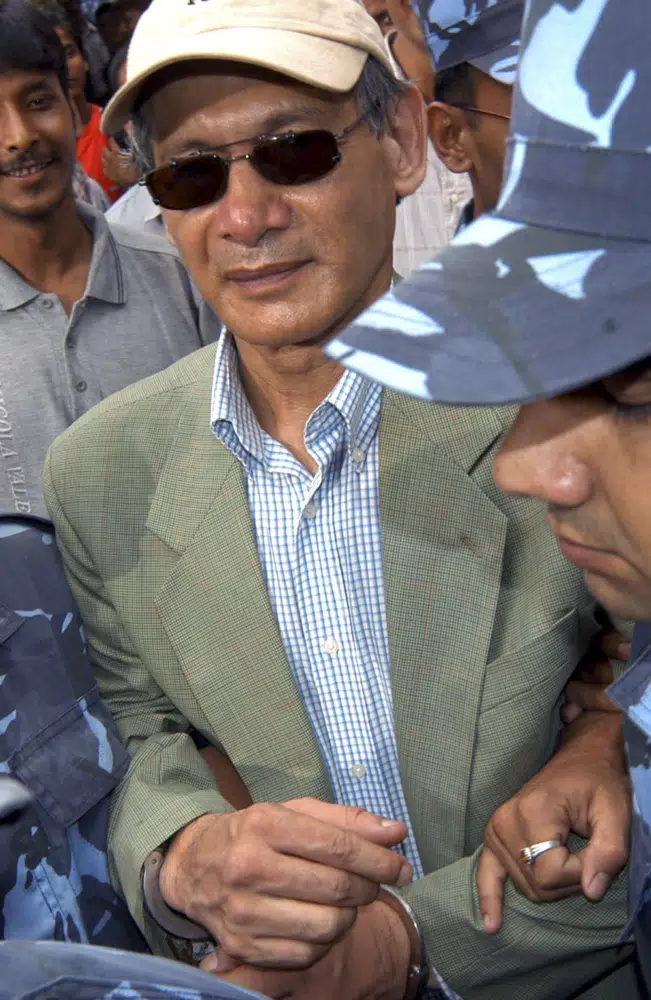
(105, 278)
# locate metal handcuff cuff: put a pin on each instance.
(176, 925)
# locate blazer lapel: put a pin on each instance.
(216, 613)
(443, 542)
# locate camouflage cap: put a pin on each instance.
(53, 970)
(552, 290)
(484, 33)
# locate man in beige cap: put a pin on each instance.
(317, 577)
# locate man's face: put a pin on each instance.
(37, 145)
(379, 11)
(112, 28)
(75, 62)
(588, 454)
(487, 138)
(473, 142)
(283, 265)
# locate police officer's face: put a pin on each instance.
(588, 454)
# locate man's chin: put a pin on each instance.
(630, 599)
(40, 205)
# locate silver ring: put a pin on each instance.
(529, 854)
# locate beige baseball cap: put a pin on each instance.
(324, 43)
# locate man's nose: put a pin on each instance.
(540, 456)
(16, 134)
(251, 205)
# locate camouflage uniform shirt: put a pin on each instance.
(632, 692)
(57, 738)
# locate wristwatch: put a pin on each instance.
(419, 971)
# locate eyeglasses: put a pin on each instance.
(480, 111)
(291, 158)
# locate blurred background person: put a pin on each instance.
(428, 219)
(136, 207)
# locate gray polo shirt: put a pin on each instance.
(137, 316)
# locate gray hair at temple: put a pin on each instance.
(376, 93)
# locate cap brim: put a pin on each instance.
(507, 313)
(501, 64)
(320, 62)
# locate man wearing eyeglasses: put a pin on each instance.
(317, 577)
(475, 52)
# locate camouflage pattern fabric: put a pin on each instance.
(59, 741)
(48, 971)
(632, 692)
(485, 33)
(565, 260)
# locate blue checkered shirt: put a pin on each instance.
(320, 547)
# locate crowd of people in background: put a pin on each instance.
(300, 697)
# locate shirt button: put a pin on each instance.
(81, 385)
(454, 198)
(358, 771)
(331, 646)
(310, 511)
(358, 456)
(47, 303)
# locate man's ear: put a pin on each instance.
(450, 135)
(408, 141)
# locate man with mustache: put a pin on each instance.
(292, 563)
(84, 309)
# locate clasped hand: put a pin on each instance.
(278, 884)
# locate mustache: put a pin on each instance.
(26, 160)
(581, 526)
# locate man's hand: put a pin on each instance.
(586, 692)
(369, 963)
(276, 884)
(118, 166)
(584, 788)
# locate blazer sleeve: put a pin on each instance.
(544, 951)
(168, 784)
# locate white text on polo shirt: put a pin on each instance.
(14, 472)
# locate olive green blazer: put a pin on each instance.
(486, 622)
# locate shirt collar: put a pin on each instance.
(105, 278)
(354, 397)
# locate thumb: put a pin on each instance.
(381, 830)
(218, 962)
(607, 852)
(490, 878)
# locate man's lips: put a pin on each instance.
(23, 170)
(585, 556)
(260, 277)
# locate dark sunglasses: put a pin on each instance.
(291, 158)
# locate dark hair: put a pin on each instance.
(29, 42)
(118, 59)
(456, 86)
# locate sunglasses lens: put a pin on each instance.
(190, 184)
(297, 159)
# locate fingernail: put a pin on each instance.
(598, 886)
(489, 924)
(210, 963)
(406, 875)
(389, 822)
